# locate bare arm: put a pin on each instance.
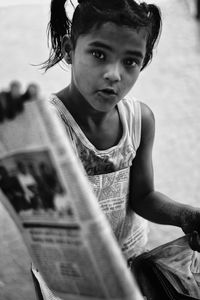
(147, 202)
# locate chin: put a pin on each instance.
(105, 108)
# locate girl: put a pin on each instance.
(108, 43)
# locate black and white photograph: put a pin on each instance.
(111, 89)
(31, 185)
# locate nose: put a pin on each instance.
(113, 72)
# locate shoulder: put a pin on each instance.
(147, 115)
(130, 103)
(56, 104)
(147, 123)
(142, 110)
(132, 109)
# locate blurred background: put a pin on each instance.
(170, 85)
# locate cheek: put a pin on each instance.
(131, 79)
(82, 76)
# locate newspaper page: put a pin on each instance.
(180, 265)
(170, 271)
(45, 190)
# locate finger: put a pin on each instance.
(2, 114)
(194, 241)
(10, 110)
(13, 108)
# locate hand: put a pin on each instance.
(190, 224)
(10, 106)
(194, 241)
(12, 101)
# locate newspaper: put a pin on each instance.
(174, 269)
(44, 188)
(180, 265)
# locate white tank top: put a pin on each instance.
(108, 172)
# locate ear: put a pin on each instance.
(67, 49)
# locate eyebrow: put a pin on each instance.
(107, 47)
(135, 53)
(100, 45)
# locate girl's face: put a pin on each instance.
(106, 63)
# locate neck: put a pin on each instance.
(79, 108)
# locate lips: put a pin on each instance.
(108, 94)
(108, 91)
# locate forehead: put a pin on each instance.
(118, 37)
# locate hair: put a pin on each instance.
(91, 14)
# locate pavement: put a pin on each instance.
(170, 86)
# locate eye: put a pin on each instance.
(131, 62)
(98, 54)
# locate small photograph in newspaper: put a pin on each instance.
(32, 187)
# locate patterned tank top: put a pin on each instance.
(109, 172)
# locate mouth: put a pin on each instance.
(108, 92)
